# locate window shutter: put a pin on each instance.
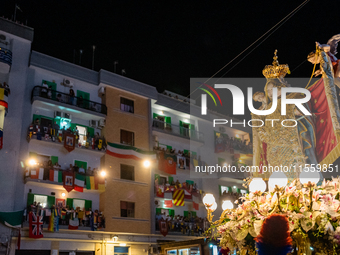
(181, 127)
(186, 213)
(30, 198)
(50, 201)
(88, 204)
(219, 188)
(54, 159)
(169, 147)
(190, 182)
(193, 213)
(170, 179)
(69, 202)
(158, 210)
(168, 120)
(171, 212)
(155, 115)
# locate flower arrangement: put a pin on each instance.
(313, 213)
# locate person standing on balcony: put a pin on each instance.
(49, 92)
(82, 170)
(80, 102)
(71, 96)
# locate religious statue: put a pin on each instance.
(303, 140)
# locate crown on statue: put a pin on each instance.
(276, 70)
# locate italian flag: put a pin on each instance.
(79, 181)
(73, 224)
(129, 152)
(56, 176)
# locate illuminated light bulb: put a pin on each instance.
(62, 194)
(122, 244)
(309, 175)
(103, 173)
(227, 204)
(257, 184)
(277, 178)
(146, 163)
(32, 162)
(213, 207)
(208, 200)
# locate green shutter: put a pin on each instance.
(155, 115)
(219, 188)
(169, 147)
(190, 182)
(80, 164)
(69, 202)
(30, 199)
(35, 116)
(90, 131)
(168, 120)
(186, 152)
(50, 201)
(88, 204)
(171, 212)
(186, 213)
(73, 126)
(238, 190)
(170, 179)
(193, 213)
(86, 97)
(54, 159)
(158, 210)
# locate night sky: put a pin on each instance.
(164, 43)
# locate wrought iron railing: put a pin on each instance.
(39, 91)
(178, 130)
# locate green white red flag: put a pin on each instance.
(129, 152)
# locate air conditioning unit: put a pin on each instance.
(101, 123)
(101, 91)
(67, 83)
(67, 115)
(93, 123)
(57, 114)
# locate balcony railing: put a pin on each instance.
(39, 91)
(178, 130)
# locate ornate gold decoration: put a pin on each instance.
(276, 70)
(315, 101)
(322, 121)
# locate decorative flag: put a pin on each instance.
(73, 224)
(90, 183)
(163, 227)
(168, 203)
(187, 194)
(37, 173)
(35, 226)
(12, 219)
(178, 197)
(160, 191)
(53, 225)
(181, 162)
(69, 142)
(56, 176)
(79, 181)
(100, 183)
(195, 205)
(129, 152)
(167, 162)
(68, 179)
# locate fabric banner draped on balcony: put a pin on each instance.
(129, 152)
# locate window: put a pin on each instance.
(127, 137)
(78, 203)
(224, 189)
(82, 131)
(40, 199)
(127, 172)
(127, 209)
(126, 105)
(121, 250)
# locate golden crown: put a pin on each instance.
(276, 70)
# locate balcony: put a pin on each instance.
(63, 99)
(184, 132)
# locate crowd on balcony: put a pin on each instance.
(70, 98)
(86, 218)
(54, 133)
(5, 86)
(190, 225)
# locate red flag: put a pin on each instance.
(69, 142)
(160, 191)
(35, 226)
(167, 162)
(168, 203)
(163, 227)
(195, 205)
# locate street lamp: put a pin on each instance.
(103, 173)
(146, 163)
(227, 205)
(208, 200)
(32, 162)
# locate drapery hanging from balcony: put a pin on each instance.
(129, 152)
